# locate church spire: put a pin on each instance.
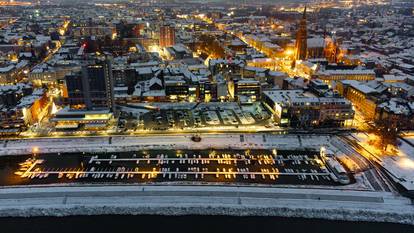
(301, 38)
(304, 13)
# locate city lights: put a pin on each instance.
(289, 52)
(216, 106)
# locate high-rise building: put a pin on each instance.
(92, 88)
(167, 36)
(301, 39)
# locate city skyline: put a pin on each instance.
(278, 111)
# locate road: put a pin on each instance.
(205, 200)
(375, 175)
(187, 191)
(205, 131)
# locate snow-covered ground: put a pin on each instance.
(352, 202)
(136, 112)
(161, 105)
(122, 143)
(206, 200)
(400, 166)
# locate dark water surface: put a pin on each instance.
(118, 167)
(191, 224)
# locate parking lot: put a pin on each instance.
(206, 115)
(240, 166)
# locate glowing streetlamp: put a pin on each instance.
(323, 151)
(35, 150)
(289, 53)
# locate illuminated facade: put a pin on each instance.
(338, 75)
(176, 89)
(21, 105)
(331, 50)
(167, 36)
(14, 3)
(8, 74)
(72, 119)
(361, 97)
(52, 75)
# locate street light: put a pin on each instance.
(35, 150)
(289, 52)
(323, 151)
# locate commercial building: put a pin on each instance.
(48, 74)
(396, 113)
(125, 77)
(167, 36)
(178, 51)
(9, 72)
(21, 106)
(90, 98)
(361, 95)
(176, 88)
(96, 31)
(345, 74)
(92, 88)
(247, 90)
(381, 102)
(207, 91)
(229, 66)
(68, 118)
(298, 108)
